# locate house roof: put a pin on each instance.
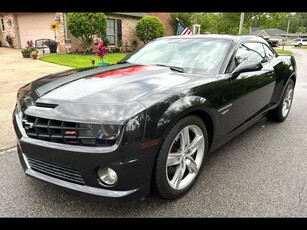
(269, 32)
(132, 14)
(295, 35)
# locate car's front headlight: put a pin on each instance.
(106, 132)
(98, 134)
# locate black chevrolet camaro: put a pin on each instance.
(149, 121)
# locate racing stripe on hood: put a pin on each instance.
(126, 71)
(51, 82)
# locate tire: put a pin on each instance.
(299, 45)
(281, 112)
(174, 180)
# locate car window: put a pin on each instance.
(268, 53)
(305, 39)
(249, 51)
(201, 56)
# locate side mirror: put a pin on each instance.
(246, 66)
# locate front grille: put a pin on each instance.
(62, 132)
(56, 171)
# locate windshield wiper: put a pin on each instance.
(174, 68)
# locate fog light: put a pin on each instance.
(107, 176)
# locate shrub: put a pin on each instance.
(101, 50)
(148, 28)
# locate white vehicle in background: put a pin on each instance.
(299, 42)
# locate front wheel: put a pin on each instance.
(299, 45)
(180, 158)
(281, 112)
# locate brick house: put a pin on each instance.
(25, 26)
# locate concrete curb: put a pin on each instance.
(8, 150)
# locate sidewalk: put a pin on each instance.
(16, 71)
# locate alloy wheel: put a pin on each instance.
(185, 157)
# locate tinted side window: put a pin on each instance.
(268, 53)
(305, 39)
(250, 52)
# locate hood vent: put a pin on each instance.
(45, 105)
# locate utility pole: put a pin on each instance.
(288, 26)
(283, 47)
(241, 23)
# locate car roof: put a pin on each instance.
(236, 38)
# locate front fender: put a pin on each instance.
(175, 112)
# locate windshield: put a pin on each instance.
(297, 39)
(193, 55)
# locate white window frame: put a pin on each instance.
(114, 35)
(2, 22)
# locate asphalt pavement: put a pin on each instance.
(260, 173)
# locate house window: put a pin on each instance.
(2, 24)
(111, 31)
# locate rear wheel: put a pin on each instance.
(283, 109)
(180, 158)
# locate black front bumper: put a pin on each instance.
(132, 164)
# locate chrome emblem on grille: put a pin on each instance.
(27, 125)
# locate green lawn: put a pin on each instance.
(280, 51)
(80, 60)
(302, 47)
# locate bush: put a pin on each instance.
(148, 28)
(85, 25)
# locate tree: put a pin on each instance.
(185, 18)
(148, 28)
(208, 22)
(85, 25)
(296, 20)
(267, 20)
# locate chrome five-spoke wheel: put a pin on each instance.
(287, 100)
(185, 157)
(180, 158)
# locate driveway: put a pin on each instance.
(16, 71)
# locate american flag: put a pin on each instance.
(182, 29)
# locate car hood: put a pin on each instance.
(109, 94)
(118, 85)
